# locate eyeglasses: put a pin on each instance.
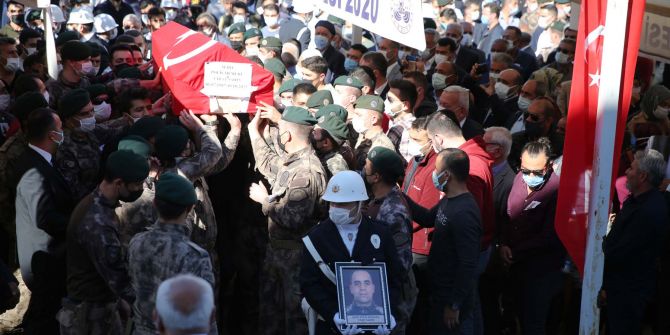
(565, 51)
(539, 173)
(533, 117)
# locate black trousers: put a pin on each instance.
(47, 291)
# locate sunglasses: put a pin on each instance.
(539, 173)
(565, 51)
(533, 117)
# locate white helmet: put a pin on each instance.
(303, 6)
(171, 4)
(345, 186)
(57, 14)
(104, 23)
(81, 16)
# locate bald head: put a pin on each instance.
(184, 303)
(511, 77)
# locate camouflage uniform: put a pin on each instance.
(158, 254)
(364, 145)
(292, 209)
(58, 87)
(78, 157)
(136, 216)
(96, 267)
(10, 151)
(333, 163)
(393, 212)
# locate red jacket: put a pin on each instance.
(418, 185)
(480, 184)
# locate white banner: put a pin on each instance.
(655, 39)
(398, 20)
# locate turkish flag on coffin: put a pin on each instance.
(181, 55)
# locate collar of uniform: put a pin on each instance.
(76, 135)
(63, 81)
(103, 200)
(297, 155)
(394, 190)
(172, 228)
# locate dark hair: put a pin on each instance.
(168, 210)
(493, 8)
(305, 88)
(360, 48)
(40, 123)
(450, 14)
(34, 59)
(553, 9)
(516, 30)
(146, 3)
(27, 34)
(241, 5)
(407, 91)
(119, 47)
(124, 39)
(365, 75)
(418, 77)
(25, 83)
(316, 64)
(255, 59)
(549, 108)
(124, 100)
(377, 61)
(271, 7)
(15, 3)
(540, 146)
(7, 41)
(457, 162)
(448, 42)
(156, 11)
(387, 175)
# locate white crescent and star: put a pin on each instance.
(591, 38)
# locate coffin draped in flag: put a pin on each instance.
(578, 155)
(181, 55)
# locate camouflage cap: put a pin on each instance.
(386, 161)
(253, 32)
(270, 42)
(334, 110)
(371, 102)
(335, 127)
(170, 141)
(348, 81)
(128, 166)
(136, 144)
(236, 28)
(319, 99)
(298, 115)
(175, 189)
(275, 66)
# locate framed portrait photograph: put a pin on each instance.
(362, 294)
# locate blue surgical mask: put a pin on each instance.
(350, 64)
(436, 181)
(532, 180)
(485, 20)
(321, 42)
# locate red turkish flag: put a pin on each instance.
(181, 55)
(572, 209)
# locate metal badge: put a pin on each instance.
(375, 240)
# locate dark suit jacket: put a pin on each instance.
(466, 58)
(502, 184)
(335, 61)
(501, 111)
(320, 292)
(471, 129)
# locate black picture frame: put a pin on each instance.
(377, 309)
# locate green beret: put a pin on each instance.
(348, 81)
(26, 103)
(236, 28)
(288, 85)
(298, 115)
(270, 42)
(170, 141)
(72, 102)
(335, 20)
(147, 127)
(130, 72)
(275, 66)
(334, 110)
(67, 36)
(75, 50)
(319, 99)
(96, 90)
(371, 102)
(444, 2)
(558, 26)
(386, 160)
(335, 127)
(128, 166)
(175, 189)
(563, 2)
(253, 32)
(136, 144)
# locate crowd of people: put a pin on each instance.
(121, 214)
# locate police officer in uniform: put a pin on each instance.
(292, 208)
(345, 236)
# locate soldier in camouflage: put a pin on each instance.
(10, 151)
(367, 121)
(383, 168)
(328, 136)
(165, 250)
(97, 279)
(292, 207)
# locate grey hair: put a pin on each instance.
(463, 95)
(502, 57)
(132, 18)
(175, 317)
(441, 124)
(502, 136)
(652, 163)
(457, 26)
(434, 32)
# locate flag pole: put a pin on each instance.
(606, 122)
(52, 61)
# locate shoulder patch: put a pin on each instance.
(299, 182)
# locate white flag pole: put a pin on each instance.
(606, 121)
(52, 61)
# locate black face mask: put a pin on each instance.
(131, 196)
(120, 67)
(18, 19)
(236, 45)
(533, 129)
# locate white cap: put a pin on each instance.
(345, 186)
(311, 52)
(170, 4)
(81, 17)
(57, 14)
(303, 6)
(104, 23)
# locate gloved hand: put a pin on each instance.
(349, 330)
(385, 330)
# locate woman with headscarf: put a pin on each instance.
(653, 117)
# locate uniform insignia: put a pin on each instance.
(372, 154)
(325, 102)
(336, 188)
(375, 240)
(283, 178)
(349, 81)
(264, 42)
(321, 119)
(373, 104)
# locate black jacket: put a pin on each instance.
(335, 61)
(466, 58)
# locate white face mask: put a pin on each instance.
(208, 31)
(286, 102)
(474, 15)
(145, 19)
(562, 58)
(532, 7)
(543, 22)
(239, 19)
(494, 76)
(414, 148)
(102, 111)
(340, 216)
(46, 96)
(252, 51)
(359, 125)
(4, 101)
(466, 40)
(392, 109)
(31, 51)
(523, 104)
(502, 90)
(440, 58)
(59, 67)
(439, 81)
(170, 14)
(87, 124)
(13, 64)
(661, 112)
(271, 21)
